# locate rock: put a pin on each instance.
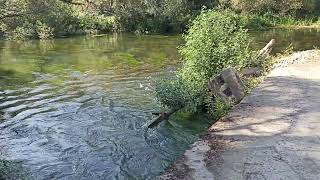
(251, 72)
(228, 86)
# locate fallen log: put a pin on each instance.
(264, 52)
(162, 116)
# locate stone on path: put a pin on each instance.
(227, 86)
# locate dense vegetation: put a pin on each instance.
(44, 19)
(297, 8)
(21, 19)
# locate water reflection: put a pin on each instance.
(77, 108)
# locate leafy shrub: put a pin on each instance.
(172, 93)
(221, 109)
(96, 23)
(215, 41)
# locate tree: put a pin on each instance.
(11, 8)
(281, 7)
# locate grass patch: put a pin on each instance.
(264, 22)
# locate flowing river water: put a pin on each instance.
(77, 108)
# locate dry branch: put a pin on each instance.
(264, 52)
(162, 116)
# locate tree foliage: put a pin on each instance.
(154, 15)
(21, 18)
(281, 7)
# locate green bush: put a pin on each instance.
(221, 109)
(215, 40)
(96, 23)
(172, 93)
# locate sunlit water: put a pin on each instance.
(77, 108)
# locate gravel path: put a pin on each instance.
(274, 133)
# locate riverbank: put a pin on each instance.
(272, 134)
(313, 26)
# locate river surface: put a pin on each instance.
(77, 108)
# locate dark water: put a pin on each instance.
(77, 108)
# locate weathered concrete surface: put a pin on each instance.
(274, 133)
(227, 86)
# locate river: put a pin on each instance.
(77, 108)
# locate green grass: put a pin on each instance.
(262, 22)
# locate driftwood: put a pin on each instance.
(162, 116)
(264, 52)
(262, 55)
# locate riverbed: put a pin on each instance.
(77, 108)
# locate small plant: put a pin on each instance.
(251, 82)
(221, 109)
(172, 93)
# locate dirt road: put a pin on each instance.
(273, 134)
